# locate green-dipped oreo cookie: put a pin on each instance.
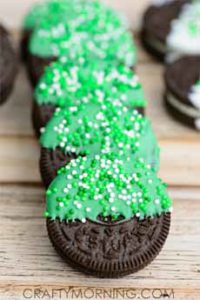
(107, 216)
(94, 31)
(94, 128)
(70, 82)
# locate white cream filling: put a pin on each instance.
(194, 95)
(188, 111)
(183, 108)
(197, 124)
(156, 44)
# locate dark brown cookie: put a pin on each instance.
(51, 160)
(36, 66)
(25, 37)
(109, 249)
(41, 114)
(156, 26)
(179, 79)
(8, 65)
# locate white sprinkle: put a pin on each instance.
(42, 130)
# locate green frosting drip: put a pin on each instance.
(106, 185)
(93, 30)
(89, 129)
(67, 81)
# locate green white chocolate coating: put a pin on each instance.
(184, 37)
(109, 127)
(194, 95)
(54, 9)
(107, 186)
(94, 31)
(67, 81)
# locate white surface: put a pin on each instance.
(12, 11)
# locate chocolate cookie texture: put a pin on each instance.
(182, 91)
(106, 216)
(109, 250)
(157, 25)
(92, 30)
(8, 65)
(73, 82)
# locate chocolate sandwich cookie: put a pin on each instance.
(106, 216)
(171, 29)
(95, 31)
(66, 83)
(182, 95)
(93, 128)
(8, 65)
(157, 25)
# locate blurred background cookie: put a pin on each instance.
(171, 29)
(8, 64)
(182, 95)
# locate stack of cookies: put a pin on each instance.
(171, 31)
(108, 214)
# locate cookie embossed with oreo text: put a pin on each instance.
(107, 217)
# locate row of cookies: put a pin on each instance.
(171, 32)
(108, 214)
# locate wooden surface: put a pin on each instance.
(27, 260)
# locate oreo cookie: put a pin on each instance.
(107, 217)
(66, 83)
(171, 29)
(93, 128)
(182, 96)
(109, 250)
(92, 29)
(8, 65)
